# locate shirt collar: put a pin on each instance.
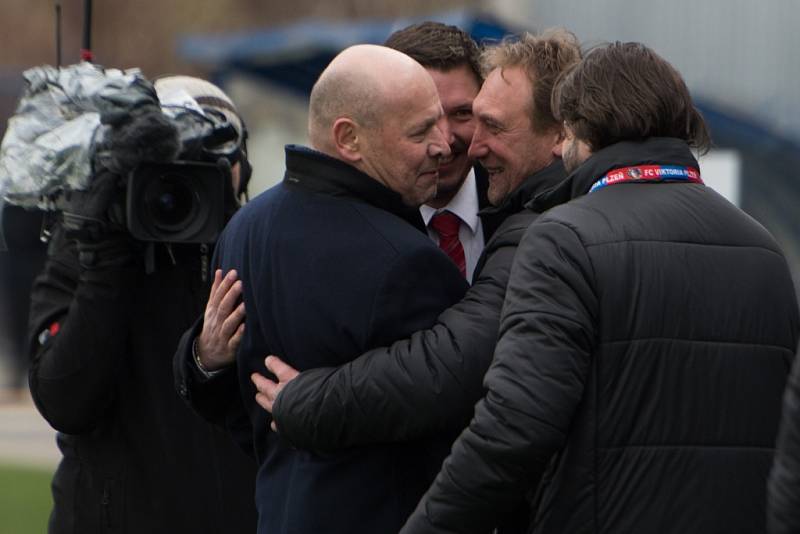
(464, 204)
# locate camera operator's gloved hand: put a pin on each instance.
(94, 219)
(143, 134)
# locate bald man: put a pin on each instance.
(333, 261)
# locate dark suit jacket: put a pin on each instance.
(333, 264)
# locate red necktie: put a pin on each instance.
(446, 224)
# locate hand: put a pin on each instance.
(94, 219)
(134, 136)
(223, 322)
(87, 215)
(267, 389)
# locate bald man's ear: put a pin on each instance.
(346, 139)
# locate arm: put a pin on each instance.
(419, 386)
(80, 304)
(211, 387)
(73, 374)
(535, 383)
(783, 489)
(222, 325)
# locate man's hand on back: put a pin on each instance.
(223, 322)
(267, 389)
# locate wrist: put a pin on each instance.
(208, 369)
(115, 250)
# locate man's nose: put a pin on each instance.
(477, 147)
(448, 132)
(440, 147)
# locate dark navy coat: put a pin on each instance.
(333, 264)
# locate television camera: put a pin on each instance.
(174, 154)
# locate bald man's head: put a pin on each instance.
(378, 110)
(358, 84)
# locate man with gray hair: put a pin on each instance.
(333, 261)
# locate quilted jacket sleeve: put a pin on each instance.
(534, 385)
(783, 498)
(426, 384)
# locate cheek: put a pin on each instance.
(501, 149)
(572, 150)
(404, 156)
(583, 151)
(463, 131)
(236, 176)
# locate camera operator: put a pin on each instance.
(106, 315)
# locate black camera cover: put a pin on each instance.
(179, 202)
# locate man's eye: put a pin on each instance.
(421, 133)
(494, 128)
(463, 114)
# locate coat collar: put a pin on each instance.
(651, 151)
(316, 172)
(543, 180)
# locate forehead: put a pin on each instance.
(458, 83)
(505, 93)
(417, 103)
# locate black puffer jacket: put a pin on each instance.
(783, 493)
(135, 458)
(424, 385)
(645, 341)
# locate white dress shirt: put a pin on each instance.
(470, 232)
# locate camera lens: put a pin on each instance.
(172, 206)
(171, 202)
(179, 202)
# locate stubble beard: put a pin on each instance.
(570, 158)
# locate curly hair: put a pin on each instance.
(543, 57)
